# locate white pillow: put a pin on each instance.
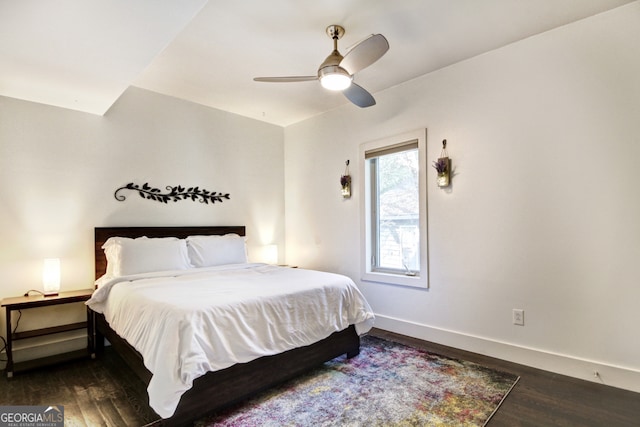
(209, 251)
(127, 256)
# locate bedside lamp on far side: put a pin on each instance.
(51, 276)
(271, 254)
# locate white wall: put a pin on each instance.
(543, 213)
(59, 170)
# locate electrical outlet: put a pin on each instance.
(518, 316)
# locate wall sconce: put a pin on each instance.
(443, 166)
(345, 182)
(51, 276)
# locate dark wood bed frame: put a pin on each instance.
(215, 390)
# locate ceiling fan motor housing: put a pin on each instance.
(331, 75)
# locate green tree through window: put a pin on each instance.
(398, 213)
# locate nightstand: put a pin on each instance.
(34, 301)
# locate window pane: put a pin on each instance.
(394, 210)
(397, 211)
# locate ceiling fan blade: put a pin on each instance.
(359, 96)
(365, 53)
(286, 79)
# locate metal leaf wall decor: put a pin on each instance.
(175, 194)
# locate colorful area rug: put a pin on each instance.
(388, 384)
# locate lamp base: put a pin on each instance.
(50, 294)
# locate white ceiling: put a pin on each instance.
(83, 55)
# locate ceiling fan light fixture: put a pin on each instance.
(336, 71)
(335, 78)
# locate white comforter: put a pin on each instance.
(186, 323)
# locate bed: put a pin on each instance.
(242, 373)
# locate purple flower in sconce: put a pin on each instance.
(441, 165)
(345, 180)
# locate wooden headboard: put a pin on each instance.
(101, 234)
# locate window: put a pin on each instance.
(394, 210)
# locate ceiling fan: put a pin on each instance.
(336, 72)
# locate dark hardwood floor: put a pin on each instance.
(102, 392)
(105, 392)
(543, 398)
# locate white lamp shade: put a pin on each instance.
(271, 254)
(51, 275)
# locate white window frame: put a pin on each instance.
(421, 279)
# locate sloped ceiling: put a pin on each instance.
(80, 54)
(83, 55)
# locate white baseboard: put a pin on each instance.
(615, 376)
